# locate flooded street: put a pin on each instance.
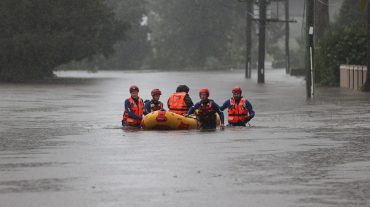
(61, 145)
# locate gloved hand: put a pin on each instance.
(247, 119)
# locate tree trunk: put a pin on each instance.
(321, 18)
(367, 84)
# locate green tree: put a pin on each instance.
(130, 54)
(38, 35)
(345, 43)
(274, 33)
(321, 18)
(341, 45)
(196, 33)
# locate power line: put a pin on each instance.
(321, 2)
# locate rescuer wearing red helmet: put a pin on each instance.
(206, 111)
(154, 104)
(240, 111)
(134, 108)
(180, 102)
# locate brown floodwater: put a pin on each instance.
(61, 144)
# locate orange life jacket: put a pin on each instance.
(207, 109)
(237, 112)
(137, 109)
(176, 103)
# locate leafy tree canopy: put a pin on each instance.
(345, 43)
(38, 35)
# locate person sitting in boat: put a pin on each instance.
(240, 111)
(206, 110)
(134, 109)
(155, 104)
(180, 102)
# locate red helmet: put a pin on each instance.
(237, 89)
(156, 92)
(204, 90)
(134, 88)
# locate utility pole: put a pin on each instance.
(309, 48)
(248, 31)
(287, 29)
(261, 41)
(367, 85)
(262, 20)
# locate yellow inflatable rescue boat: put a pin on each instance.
(165, 120)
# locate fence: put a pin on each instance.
(352, 76)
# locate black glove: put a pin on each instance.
(247, 119)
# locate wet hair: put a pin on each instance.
(182, 88)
